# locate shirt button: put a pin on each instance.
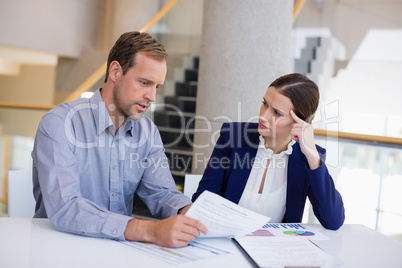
(114, 167)
(114, 232)
(114, 194)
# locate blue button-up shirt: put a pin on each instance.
(85, 173)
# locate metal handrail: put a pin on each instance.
(358, 137)
(25, 106)
(298, 5)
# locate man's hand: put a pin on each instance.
(183, 210)
(175, 231)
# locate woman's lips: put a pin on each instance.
(262, 126)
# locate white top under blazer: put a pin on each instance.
(272, 201)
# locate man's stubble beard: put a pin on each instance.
(121, 107)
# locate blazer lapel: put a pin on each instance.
(243, 160)
(295, 184)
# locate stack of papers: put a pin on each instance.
(267, 244)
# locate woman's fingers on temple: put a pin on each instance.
(295, 117)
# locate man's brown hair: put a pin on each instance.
(129, 44)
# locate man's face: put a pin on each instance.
(137, 88)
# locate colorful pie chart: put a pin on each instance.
(298, 233)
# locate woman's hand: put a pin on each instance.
(303, 133)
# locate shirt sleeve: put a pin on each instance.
(59, 180)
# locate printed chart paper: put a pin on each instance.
(224, 218)
(289, 229)
(285, 252)
(195, 251)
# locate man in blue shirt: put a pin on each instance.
(91, 155)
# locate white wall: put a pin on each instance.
(63, 27)
(131, 15)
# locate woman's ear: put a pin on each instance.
(115, 71)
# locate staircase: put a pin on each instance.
(317, 61)
(175, 119)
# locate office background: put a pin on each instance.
(351, 48)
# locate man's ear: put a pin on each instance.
(115, 71)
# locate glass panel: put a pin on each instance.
(391, 199)
(351, 65)
(18, 128)
(20, 152)
(368, 176)
(390, 225)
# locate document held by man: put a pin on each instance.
(224, 218)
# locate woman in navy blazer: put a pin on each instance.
(285, 115)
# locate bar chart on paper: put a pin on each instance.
(288, 229)
(299, 233)
(285, 226)
(261, 232)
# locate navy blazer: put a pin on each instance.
(231, 162)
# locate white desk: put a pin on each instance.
(35, 243)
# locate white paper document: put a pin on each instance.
(195, 251)
(279, 252)
(224, 218)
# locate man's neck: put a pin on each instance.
(115, 115)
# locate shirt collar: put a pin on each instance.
(99, 112)
(102, 117)
(288, 151)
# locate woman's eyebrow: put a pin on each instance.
(278, 110)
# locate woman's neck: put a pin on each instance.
(277, 145)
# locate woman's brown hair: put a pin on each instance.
(302, 92)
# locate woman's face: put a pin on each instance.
(275, 121)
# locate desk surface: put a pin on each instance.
(35, 243)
